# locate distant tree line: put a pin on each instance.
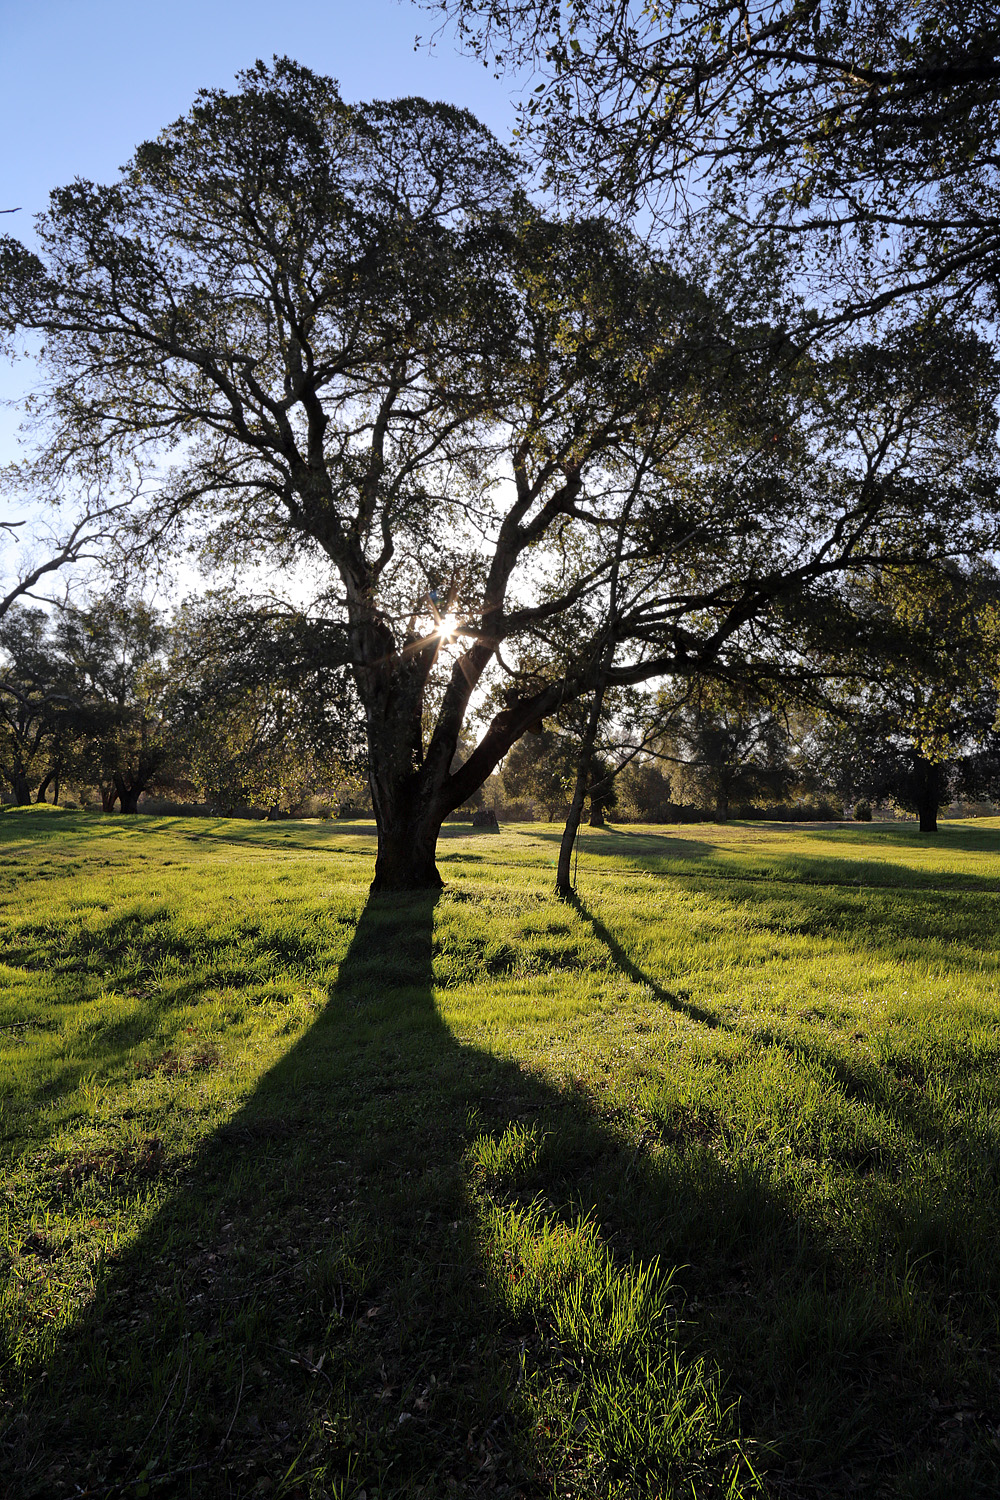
(906, 718)
(232, 704)
(242, 707)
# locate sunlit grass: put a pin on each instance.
(692, 1179)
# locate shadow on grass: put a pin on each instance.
(763, 862)
(632, 970)
(315, 1296)
(313, 1309)
(976, 840)
(626, 843)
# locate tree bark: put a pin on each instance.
(21, 789)
(129, 792)
(406, 854)
(929, 794)
(109, 796)
(596, 813)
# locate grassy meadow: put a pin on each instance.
(687, 1187)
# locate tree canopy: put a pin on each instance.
(864, 126)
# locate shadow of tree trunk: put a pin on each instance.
(315, 1309)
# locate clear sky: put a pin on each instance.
(83, 81)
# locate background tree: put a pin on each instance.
(263, 704)
(543, 766)
(645, 791)
(728, 750)
(923, 730)
(115, 648)
(37, 705)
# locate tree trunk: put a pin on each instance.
(408, 814)
(129, 793)
(43, 788)
(596, 813)
(564, 882)
(109, 796)
(406, 853)
(21, 789)
(930, 786)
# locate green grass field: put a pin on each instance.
(688, 1187)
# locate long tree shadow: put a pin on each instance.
(315, 1296)
(631, 969)
(317, 1307)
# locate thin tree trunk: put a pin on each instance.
(564, 882)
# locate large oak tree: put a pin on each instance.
(525, 450)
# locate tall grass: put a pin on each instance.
(687, 1187)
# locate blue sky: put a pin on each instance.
(85, 80)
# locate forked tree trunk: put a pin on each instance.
(409, 815)
(413, 784)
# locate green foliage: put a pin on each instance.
(263, 705)
(822, 121)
